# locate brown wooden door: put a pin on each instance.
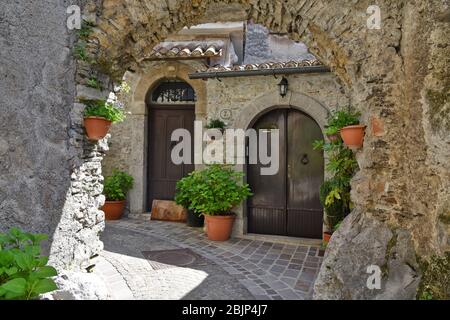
(163, 174)
(288, 203)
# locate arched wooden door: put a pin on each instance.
(171, 106)
(287, 203)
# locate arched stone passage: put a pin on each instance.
(270, 100)
(135, 127)
(380, 69)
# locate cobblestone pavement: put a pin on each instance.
(238, 268)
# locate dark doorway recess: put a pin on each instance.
(171, 106)
(287, 203)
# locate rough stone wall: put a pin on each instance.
(50, 176)
(236, 94)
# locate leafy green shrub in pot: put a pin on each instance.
(115, 189)
(117, 185)
(183, 196)
(342, 165)
(215, 191)
(216, 124)
(24, 273)
(335, 198)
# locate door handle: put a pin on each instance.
(305, 159)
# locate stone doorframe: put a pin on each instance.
(263, 104)
(142, 83)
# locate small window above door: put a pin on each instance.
(173, 92)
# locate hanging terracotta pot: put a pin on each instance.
(353, 136)
(113, 209)
(96, 127)
(218, 228)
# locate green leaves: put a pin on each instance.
(117, 185)
(45, 272)
(43, 286)
(17, 285)
(101, 108)
(214, 190)
(24, 273)
(216, 124)
(342, 165)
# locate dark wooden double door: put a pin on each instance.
(287, 203)
(163, 174)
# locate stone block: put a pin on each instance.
(168, 210)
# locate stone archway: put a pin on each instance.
(391, 192)
(297, 100)
(135, 128)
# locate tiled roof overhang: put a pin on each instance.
(269, 68)
(185, 51)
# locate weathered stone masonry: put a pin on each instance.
(397, 76)
(50, 176)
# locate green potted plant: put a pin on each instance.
(115, 190)
(98, 117)
(213, 125)
(341, 165)
(332, 133)
(183, 198)
(335, 199)
(216, 124)
(346, 122)
(215, 193)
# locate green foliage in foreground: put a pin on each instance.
(117, 185)
(24, 273)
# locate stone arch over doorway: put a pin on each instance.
(380, 70)
(264, 104)
(271, 100)
(142, 83)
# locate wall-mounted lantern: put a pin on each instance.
(283, 86)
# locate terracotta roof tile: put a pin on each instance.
(186, 50)
(265, 65)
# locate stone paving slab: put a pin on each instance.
(266, 270)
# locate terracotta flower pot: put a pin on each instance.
(113, 209)
(353, 136)
(96, 127)
(219, 227)
(326, 236)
